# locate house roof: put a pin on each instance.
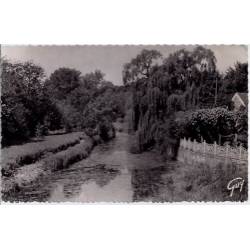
(244, 97)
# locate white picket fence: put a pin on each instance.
(234, 153)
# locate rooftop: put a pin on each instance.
(244, 97)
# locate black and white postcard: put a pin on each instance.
(142, 123)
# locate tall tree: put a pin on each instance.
(23, 105)
(185, 80)
(140, 66)
(62, 81)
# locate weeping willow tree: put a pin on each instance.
(162, 87)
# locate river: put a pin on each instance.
(110, 174)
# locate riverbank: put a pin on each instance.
(16, 156)
(46, 157)
(105, 175)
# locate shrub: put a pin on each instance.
(41, 130)
(106, 130)
(209, 123)
(242, 126)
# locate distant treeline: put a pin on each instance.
(33, 104)
(165, 90)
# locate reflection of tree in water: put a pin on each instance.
(98, 174)
(146, 183)
(105, 175)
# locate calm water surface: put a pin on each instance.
(110, 173)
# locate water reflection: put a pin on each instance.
(117, 190)
(73, 181)
(110, 174)
(69, 181)
(148, 183)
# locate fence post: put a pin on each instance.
(215, 148)
(240, 152)
(189, 144)
(227, 147)
(204, 146)
(219, 139)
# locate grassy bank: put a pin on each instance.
(205, 182)
(205, 177)
(69, 156)
(15, 156)
(211, 182)
(24, 175)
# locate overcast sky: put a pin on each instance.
(109, 59)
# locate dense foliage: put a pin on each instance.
(184, 81)
(33, 105)
(24, 103)
(208, 124)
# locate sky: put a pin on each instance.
(109, 59)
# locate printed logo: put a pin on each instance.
(236, 183)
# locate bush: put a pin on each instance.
(41, 130)
(106, 130)
(14, 123)
(242, 126)
(209, 123)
